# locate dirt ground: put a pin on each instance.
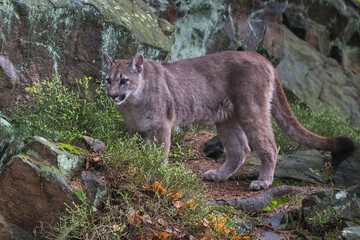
(199, 164)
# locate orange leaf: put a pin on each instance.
(157, 188)
(175, 196)
(134, 218)
(142, 237)
(160, 236)
(178, 204)
(189, 203)
(96, 159)
(246, 237)
(236, 238)
(87, 164)
(116, 227)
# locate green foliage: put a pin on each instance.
(79, 223)
(289, 181)
(356, 221)
(180, 148)
(149, 160)
(81, 196)
(70, 149)
(325, 121)
(66, 115)
(278, 201)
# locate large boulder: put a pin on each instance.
(40, 38)
(206, 27)
(10, 144)
(67, 159)
(333, 31)
(331, 208)
(302, 166)
(5, 229)
(38, 185)
(347, 171)
(318, 80)
(31, 193)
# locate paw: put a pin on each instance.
(214, 175)
(258, 185)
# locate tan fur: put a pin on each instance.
(237, 91)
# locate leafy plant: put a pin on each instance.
(65, 115)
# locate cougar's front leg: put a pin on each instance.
(236, 149)
(161, 137)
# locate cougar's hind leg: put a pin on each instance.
(261, 140)
(236, 149)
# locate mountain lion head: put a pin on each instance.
(123, 78)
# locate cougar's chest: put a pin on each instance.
(137, 119)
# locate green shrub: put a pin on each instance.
(66, 115)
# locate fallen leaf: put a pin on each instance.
(161, 236)
(157, 188)
(142, 237)
(189, 203)
(246, 237)
(134, 218)
(175, 196)
(161, 222)
(178, 204)
(146, 219)
(236, 238)
(116, 227)
(87, 164)
(96, 159)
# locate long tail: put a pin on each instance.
(286, 120)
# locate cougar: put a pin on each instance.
(237, 91)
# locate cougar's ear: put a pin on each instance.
(108, 61)
(137, 62)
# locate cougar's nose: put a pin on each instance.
(113, 96)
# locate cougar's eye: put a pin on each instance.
(123, 81)
(108, 81)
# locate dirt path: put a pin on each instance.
(199, 164)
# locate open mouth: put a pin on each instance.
(122, 97)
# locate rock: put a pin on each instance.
(214, 148)
(68, 37)
(327, 209)
(20, 234)
(30, 194)
(270, 236)
(317, 80)
(5, 229)
(332, 31)
(95, 144)
(9, 144)
(351, 233)
(275, 221)
(232, 25)
(6, 138)
(47, 151)
(240, 226)
(303, 165)
(347, 168)
(96, 191)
